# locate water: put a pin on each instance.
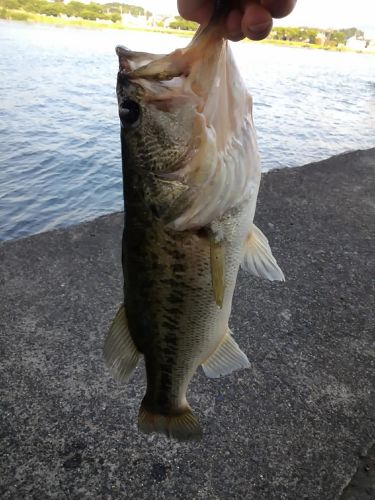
(60, 150)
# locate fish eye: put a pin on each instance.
(129, 112)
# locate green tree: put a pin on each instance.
(11, 4)
(182, 24)
(53, 9)
(338, 37)
(115, 17)
(311, 35)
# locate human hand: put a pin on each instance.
(247, 18)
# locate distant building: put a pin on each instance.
(356, 43)
(130, 20)
(370, 42)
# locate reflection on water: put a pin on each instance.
(60, 150)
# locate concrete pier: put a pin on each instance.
(296, 425)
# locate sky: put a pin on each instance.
(314, 13)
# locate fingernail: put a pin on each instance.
(258, 29)
(236, 36)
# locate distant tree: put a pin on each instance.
(182, 24)
(349, 32)
(134, 10)
(294, 34)
(338, 37)
(88, 14)
(33, 6)
(53, 9)
(311, 35)
(113, 10)
(11, 4)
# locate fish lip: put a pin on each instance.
(132, 61)
(124, 55)
(122, 78)
(122, 50)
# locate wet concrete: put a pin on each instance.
(297, 425)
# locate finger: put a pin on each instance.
(233, 25)
(196, 10)
(256, 22)
(279, 8)
(236, 37)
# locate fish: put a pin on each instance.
(191, 175)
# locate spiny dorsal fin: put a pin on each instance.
(227, 358)
(217, 258)
(258, 258)
(120, 353)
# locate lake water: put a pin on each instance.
(59, 133)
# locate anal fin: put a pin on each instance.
(227, 358)
(258, 258)
(120, 353)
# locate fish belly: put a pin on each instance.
(173, 318)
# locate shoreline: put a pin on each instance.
(32, 18)
(98, 217)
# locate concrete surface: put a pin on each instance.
(294, 426)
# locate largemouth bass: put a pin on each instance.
(191, 177)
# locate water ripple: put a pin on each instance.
(60, 147)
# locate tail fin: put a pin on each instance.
(184, 427)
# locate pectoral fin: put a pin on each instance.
(258, 258)
(120, 353)
(217, 258)
(225, 359)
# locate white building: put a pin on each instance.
(355, 43)
(130, 20)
